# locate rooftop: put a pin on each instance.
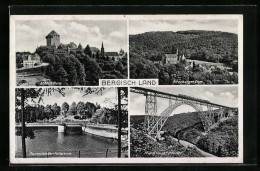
(52, 33)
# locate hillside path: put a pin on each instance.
(187, 144)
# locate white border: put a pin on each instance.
(12, 76)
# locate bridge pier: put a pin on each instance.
(150, 110)
(61, 128)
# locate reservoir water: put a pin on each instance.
(49, 143)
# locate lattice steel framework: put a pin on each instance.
(153, 123)
(150, 110)
(162, 118)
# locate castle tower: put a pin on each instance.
(53, 39)
(102, 51)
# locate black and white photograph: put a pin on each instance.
(188, 51)
(71, 122)
(70, 52)
(187, 122)
(128, 89)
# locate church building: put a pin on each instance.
(111, 55)
(174, 58)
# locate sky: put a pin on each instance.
(227, 96)
(31, 33)
(108, 98)
(142, 26)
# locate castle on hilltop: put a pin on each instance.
(55, 47)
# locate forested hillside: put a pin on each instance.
(210, 57)
(78, 68)
(202, 45)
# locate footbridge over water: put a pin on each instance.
(153, 122)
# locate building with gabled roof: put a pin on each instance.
(174, 58)
(31, 60)
(111, 55)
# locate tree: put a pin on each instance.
(73, 78)
(21, 97)
(73, 109)
(65, 108)
(19, 60)
(92, 70)
(80, 108)
(81, 75)
(90, 109)
(48, 112)
(56, 109)
(49, 71)
(61, 76)
(97, 55)
(80, 46)
(87, 51)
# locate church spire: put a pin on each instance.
(102, 50)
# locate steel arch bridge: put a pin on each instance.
(153, 122)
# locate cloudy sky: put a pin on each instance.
(227, 96)
(108, 98)
(141, 26)
(30, 33)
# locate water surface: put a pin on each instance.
(60, 145)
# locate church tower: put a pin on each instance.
(102, 51)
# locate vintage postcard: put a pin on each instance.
(126, 89)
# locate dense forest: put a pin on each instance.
(37, 113)
(220, 140)
(201, 45)
(147, 58)
(79, 68)
(94, 112)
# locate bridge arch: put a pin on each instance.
(178, 104)
(167, 112)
